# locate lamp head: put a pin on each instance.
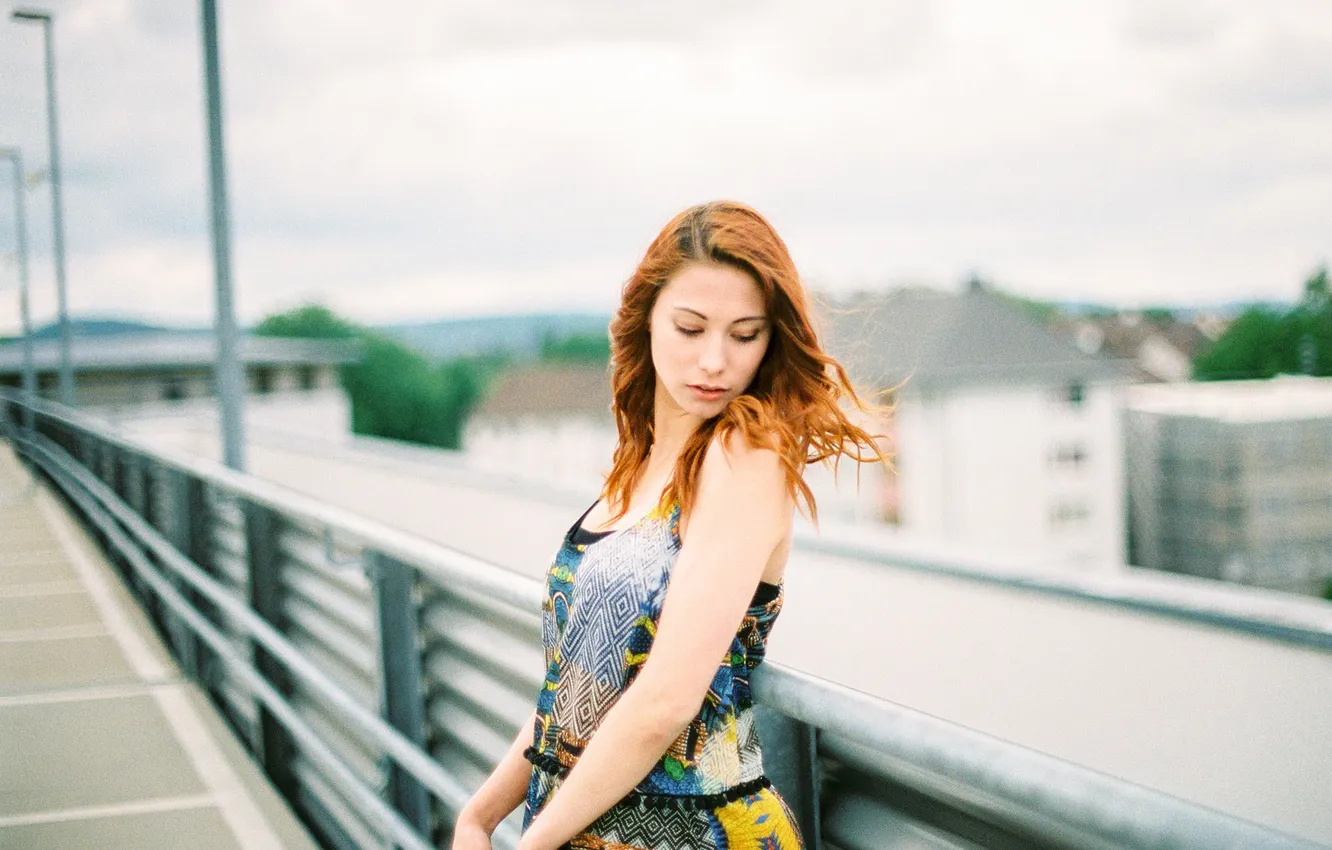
(37, 15)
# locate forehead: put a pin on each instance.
(717, 291)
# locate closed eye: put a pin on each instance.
(749, 338)
(689, 331)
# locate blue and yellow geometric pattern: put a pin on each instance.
(599, 619)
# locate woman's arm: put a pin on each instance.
(503, 790)
(738, 520)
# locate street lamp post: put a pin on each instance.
(15, 156)
(57, 206)
(229, 374)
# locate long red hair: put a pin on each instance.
(791, 407)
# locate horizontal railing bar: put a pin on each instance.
(431, 559)
(1244, 609)
(1025, 779)
(1029, 780)
(407, 754)
(1248, 610)
(389, 821)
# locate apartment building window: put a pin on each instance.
(1069, 513)
(1067, 456)
(1075, 394)
(308, 377)
(263, 380)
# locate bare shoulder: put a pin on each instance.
(731, 461)
(739, 484)
(743, 508)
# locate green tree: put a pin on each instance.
(1159, 315)
(1254, 346)
(1316, 291)
(310, 321)
(1264, 342)
(394, 391)
(576, 348)
(1314, 323)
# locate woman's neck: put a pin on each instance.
(671, 428)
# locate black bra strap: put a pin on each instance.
(578, 524)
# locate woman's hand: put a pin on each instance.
(469, 834)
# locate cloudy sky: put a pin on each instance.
(431, 159)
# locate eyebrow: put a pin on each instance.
(736, 322)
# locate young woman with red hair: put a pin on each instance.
(722, 396)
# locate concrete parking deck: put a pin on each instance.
(102, 742)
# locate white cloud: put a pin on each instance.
(433, 157)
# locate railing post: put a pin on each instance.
(117, 469)
(262, 526)
(185, 525)
(117, 466)
(134, 482)
(791, 761)
(132, 493)
(400, 659)
(84, 440)
(150, 508)
(99, 460)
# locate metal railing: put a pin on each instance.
(378, 677)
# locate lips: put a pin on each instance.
(707, 393)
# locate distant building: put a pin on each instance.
(134, 374)
(1232, 480)
(1160, 351)
(546, 420)
(1007, 435)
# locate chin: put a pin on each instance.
(687, 403)
(708, 409)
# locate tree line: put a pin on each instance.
(397, 393)
(394, 391)
(1266, 341)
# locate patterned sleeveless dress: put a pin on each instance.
(604, 594)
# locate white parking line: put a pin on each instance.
(138, 807)
(53, 633)
(141, 658)
(84, 694)
(32, 558)
(40, 588)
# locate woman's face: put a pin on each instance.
(709, 333)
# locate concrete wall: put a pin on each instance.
(322, 413)
(1019, 469)
(1248, 502)
(574, 451)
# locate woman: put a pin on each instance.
(721, 397)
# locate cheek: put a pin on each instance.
(665, 353)
(751, 359)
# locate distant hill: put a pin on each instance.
(1229, 309)
(518, 336)
(99, 327)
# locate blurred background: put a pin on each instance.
(1029, 214)
(1081, 249)
(409, 161)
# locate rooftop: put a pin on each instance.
(135, 351)
(941, 340)
(1285, 397)
(549, 390)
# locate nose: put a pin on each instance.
(712, 359)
